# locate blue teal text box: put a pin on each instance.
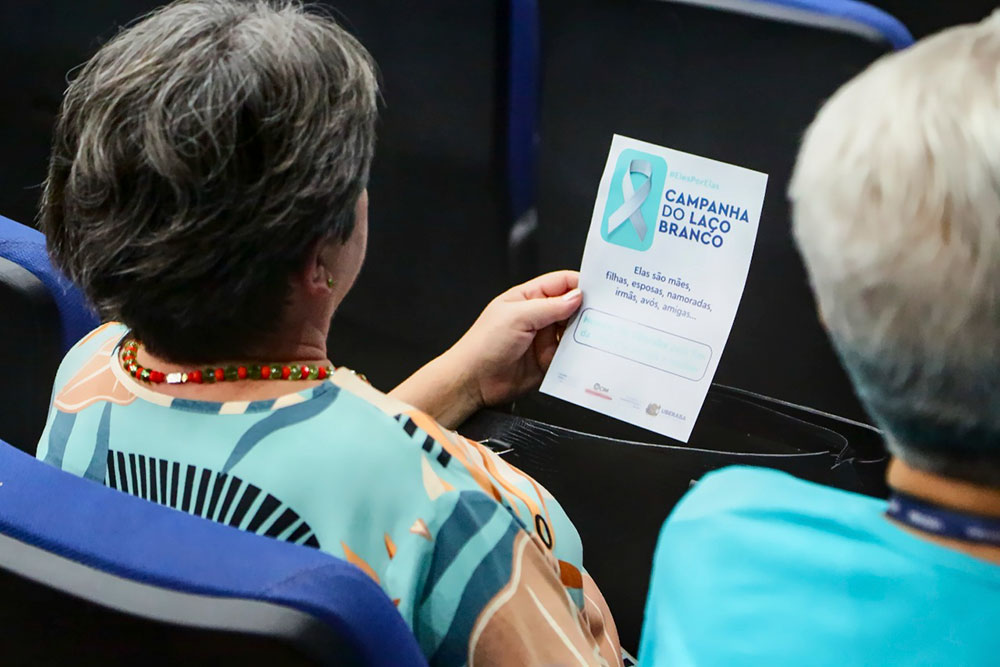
(643, 344)
(626, 236)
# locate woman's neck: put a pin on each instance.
(948, 493)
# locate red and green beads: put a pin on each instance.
(130, 349)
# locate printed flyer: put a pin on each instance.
(666, 260)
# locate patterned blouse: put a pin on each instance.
(480, 560)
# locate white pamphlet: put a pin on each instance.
(663, 272)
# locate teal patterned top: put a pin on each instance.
(480, 560)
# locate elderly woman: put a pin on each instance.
(207, 191)
(896, 206)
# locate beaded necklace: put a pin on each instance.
(208, 375)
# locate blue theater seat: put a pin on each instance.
(89, 575)
(25, 247)
(847, 16)
(43, 314)
(925, 17)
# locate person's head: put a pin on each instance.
(208, 173)
(896, 210)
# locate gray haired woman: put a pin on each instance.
(207, 192)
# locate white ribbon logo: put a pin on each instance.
(634, 199)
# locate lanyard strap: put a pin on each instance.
(946, 523)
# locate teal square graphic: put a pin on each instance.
(630, 218)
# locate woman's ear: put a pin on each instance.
(317, 273)
(332, 265)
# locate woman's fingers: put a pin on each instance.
(552, 284)
(539, 313)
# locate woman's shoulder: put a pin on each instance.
(98, 343)
(107, 334)
(445, 460)
(354, 385)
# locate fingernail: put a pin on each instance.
(573, 295)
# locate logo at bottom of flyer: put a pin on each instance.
(655, 410)
(599, 390)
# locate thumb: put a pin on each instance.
(536, 314)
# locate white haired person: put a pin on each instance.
(207, 190)
(896, 208)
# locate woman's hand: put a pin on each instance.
(503, 355)
(511, 345)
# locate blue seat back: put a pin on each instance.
(522, 105)
(43, 315)
(26, 247)
(925, 17)
(849, 16)
(120, 552)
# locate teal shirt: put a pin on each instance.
(449, 530)
(755, 567)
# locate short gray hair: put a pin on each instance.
(896, 207)
(197, 156)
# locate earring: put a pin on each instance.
(329, 282)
